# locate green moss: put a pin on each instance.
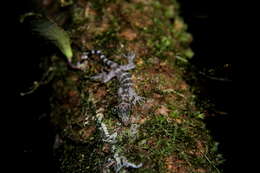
(160, 138)
(100, 4)
(107, 39)
(177, 135)
(79, 159)
(78, 16)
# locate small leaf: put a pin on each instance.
(50, 31)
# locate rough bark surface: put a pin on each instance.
(166, 133)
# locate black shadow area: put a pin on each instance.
(30, 134)
(206, 21)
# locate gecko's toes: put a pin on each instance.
(129, 55)
(138, 100)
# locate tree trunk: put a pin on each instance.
(166, 132)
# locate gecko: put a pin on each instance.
(127, 97)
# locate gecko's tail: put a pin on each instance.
(86, 55)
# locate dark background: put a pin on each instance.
(33, 135)
(29, 133)
(208, 23)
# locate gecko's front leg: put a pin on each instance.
(127, 67)
(130, 57)
(104, 77)
(135, 98)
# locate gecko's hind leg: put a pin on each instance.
(138, 99)
(135, 98)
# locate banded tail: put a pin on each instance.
(104, 59)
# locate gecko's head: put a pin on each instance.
(124, 111)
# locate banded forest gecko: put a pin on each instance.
(126, 93)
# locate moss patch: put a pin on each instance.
(172, 136)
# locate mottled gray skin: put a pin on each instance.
(126, 93)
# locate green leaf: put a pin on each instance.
(50, 31)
